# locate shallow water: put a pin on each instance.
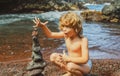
(97, 7)
(15, 36)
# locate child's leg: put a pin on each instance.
(78, 69)
(67, 74)
(72, 74)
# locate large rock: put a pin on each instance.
(38, 6)
(112, 10)
(90, 15)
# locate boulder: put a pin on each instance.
(33, 6)
(112, 10)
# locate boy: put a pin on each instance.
(76, 61)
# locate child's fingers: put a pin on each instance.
(34, 21)
(34, 26)
(60, 55)
(64, 52)
(45, 23)
(36, 18)
(39, 20)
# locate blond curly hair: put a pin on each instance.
(72, 20)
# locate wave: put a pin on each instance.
(50, 16)
(94, 6)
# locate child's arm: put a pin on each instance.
(46, 30)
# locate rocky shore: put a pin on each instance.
(38, 6)
(98, 16)
(109, 13)
(101, 67)
(30, 6)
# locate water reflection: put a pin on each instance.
(104, 40)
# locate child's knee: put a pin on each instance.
(53, 57)
(70, 67)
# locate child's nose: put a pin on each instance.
(64, 28)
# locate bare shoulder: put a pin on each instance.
(85, 42)
(84, 39)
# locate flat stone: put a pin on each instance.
(36, 72)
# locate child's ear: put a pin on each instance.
(76, 30)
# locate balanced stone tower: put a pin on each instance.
(37, 65)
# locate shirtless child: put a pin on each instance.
(76, 61)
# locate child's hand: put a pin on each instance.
(38, 23)
(34, 33)
(65, 57)
(60, 61)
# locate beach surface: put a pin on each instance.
(101, 67)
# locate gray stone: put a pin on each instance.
(112, 10)
(37, 65)
(36, 72)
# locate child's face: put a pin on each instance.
(68, 31)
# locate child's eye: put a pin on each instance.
(66, 26)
